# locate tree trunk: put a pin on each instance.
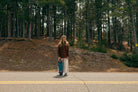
(68, 29)
(30, 25)
(35, 26)
(65, 22)
(128, 36)
(14, 26)
(0, 28)
(24, 31)
(55, 24)
(91, 31)
(49, 24)
(137, 23)
(39, 23)
(9, 23)
(99, 28)
(20, 28)
(87, 28)
(114, 21)
(114, 32)
(98, 4)
(120, 37)
(47, 13)
(131, 41)
(137, 19)
(16, 13)
(74, 35)
(0, 25)
(87, 23)
(134, 28)
(109, 37)
(135, 35)
(43, 21)
(42, 26)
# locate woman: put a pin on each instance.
(63, 53)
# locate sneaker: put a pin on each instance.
(60, 74)
(65, 74)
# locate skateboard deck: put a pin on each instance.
(60, 66)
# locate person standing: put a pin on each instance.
(63, 53)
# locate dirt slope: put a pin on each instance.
(41, 55)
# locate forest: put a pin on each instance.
(107, 23)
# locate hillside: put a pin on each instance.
(41, 55)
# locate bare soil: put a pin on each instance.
(41, 55)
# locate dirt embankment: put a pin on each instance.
(41, 55)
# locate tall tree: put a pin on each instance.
(88, 38)
(9, 20)
(38, 22)
(114, 20)
(137, 17)
(98, 12)
(131, 14)
(30, 24)
(109, 31)
(55, 24)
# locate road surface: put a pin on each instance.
(74, 82)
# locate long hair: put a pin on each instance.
(61, 40)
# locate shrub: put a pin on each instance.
(81, 44)
(98, 49)
(114, 56)
(104, 42)
(85, 47)
(72, 43)
(101, 49)
(130, 60)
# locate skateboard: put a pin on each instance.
(60, 67)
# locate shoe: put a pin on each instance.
(65, 74)
(60, 74)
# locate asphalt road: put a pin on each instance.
(74, 82)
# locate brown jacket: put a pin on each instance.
(63, 51)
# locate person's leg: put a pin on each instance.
(66, 70)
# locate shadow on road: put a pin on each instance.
(57, 76)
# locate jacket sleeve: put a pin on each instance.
(58, 51)
(68, 52)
